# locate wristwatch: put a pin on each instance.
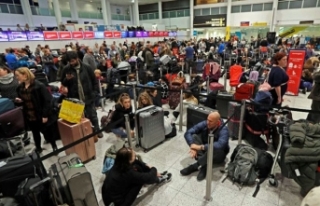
(202, 147)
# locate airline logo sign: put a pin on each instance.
(108, 34)
(65, 35)
(117, 34)
(88, 34)
(77, 35)
(50, 35)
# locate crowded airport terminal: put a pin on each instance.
(159, 103)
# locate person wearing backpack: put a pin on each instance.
(197, 139)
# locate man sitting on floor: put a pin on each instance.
(197, 139)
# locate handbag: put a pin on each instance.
(71, 110)
(179, 80)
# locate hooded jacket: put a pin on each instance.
(303, 155)
(8, 86)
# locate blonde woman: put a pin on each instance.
(144, 100)
(122, 108)
(36, 102)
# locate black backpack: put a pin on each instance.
(248, 165)
(115, 77)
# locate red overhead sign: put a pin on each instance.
(296, 59)
(117, 34)
(88, 34)
(77, 35)
(50, 35)
(65, 35)
(108, 34)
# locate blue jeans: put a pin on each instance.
(119, 132)
(305, 84)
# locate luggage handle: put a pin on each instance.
(14, 158)
(153, 112)
(32, 187)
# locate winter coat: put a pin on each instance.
(315, 92)
(303, 155)
(8, 86)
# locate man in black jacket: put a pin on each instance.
(79, 82)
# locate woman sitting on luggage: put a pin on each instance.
(37, 107)
(278, 78)
(122, 108)
(144, 100)
(8, 83)
(126, 178)
(188, 98)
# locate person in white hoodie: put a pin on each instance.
(188, 99)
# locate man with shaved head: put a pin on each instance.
(197, 139)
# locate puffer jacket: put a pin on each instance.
(303, 155)
(315, 92)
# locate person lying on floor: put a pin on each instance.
(197, 139)
(126, 178)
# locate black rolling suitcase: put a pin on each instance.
(223, 99)
(16, 170)
(196, 114)
(234, 112)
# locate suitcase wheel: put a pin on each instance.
(273, 182)
(145, 151)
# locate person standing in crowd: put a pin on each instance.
(112, 52)
(189, 55)
(123, 53)
(48, 63)
(197, 139)
(62, 63)
(147, 55)
(36, 101)
(79, 82)
(278, 78)
(89, 58)
(8, 84)
(11, 59)
(315, 96)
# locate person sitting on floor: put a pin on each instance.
(144, 100)
(126, 178)
(197, 139)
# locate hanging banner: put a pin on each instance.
(65, 35)
(3, 36)
(88, 34)
(50, 35)
(296, 59)
(107, 34)
(35, 36)
(116, 34)
(292, 31)
(17, 36)
(77, 35)
(228, 35)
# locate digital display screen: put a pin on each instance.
(35, 36)
(17, 36)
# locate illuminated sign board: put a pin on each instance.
(210, 21)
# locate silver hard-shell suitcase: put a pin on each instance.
(150, 127)
(72, 182)
(234, 109)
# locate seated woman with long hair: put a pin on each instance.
(122, 108)
(144, 100)
(126, 178)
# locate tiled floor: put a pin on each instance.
(172, 156)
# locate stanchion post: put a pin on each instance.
(101, 96)
(208, 86)
(161, 72)
(128, 129)
(181, 110)
(209, 168)
(137, 75)
(134, 96)
(243, 110)
(225, 78)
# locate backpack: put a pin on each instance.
(212, 70)
(106, 119)
(249, 164)
(115, 76)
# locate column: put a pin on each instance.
(160, 11)
(228, 22)
(74, 9)
(57, 11)
(191, 18)
(274, 15)
(105, 12)
(131, 14)
(136, 13)
(109, 12)
(27, 13)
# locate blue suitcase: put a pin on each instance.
(6, 105)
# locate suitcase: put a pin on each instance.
(12, 123)
(6, 105)
(174, 95)
(196, 114)
(244, 91)
(199, 65)
(165, 59)
(71, 132)
(234, 109)
(18, 169)
(72, 182)
(216, 86)
(223, 99)
(151, 131)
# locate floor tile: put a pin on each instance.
(195, 188)
(178, 181)
(248, 200)
(225, 196)
(160, 196)
(183, 199)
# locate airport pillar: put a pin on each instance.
(27, 13)
(274, 15)
(136, 13)
(57, 11)
(74, 10)
(106, 13)
(160, 11)
(191, 18)
(228, 22)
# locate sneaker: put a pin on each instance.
(202, 173)
(165, 178)
(100, 135)
(304, 90)
(39, 150)
(188, 170)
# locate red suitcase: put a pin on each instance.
(244, 91)
(216, 86)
